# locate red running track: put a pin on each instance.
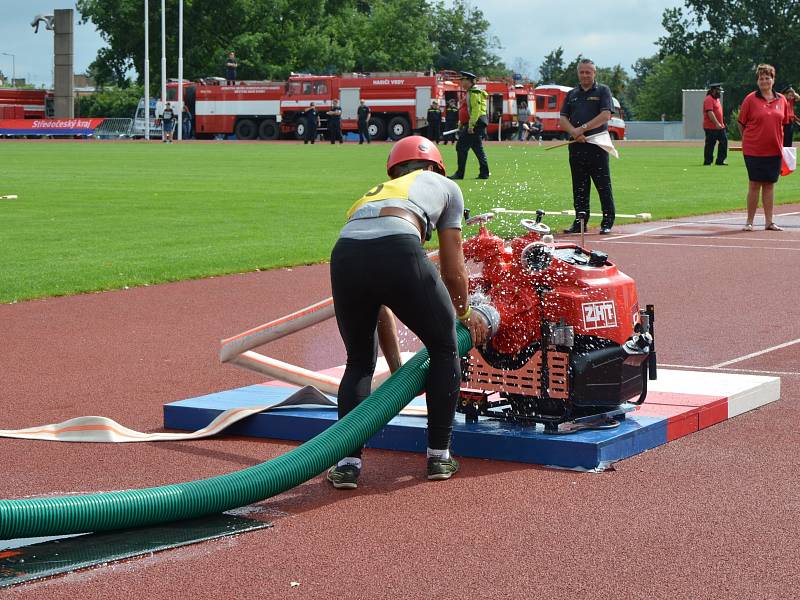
(712, 515)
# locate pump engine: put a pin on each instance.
(573, 349)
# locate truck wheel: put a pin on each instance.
(300, 129)
(398, 128)
(246, 130)
(377, 129)
(268, 130)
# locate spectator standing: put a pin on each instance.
(167, 123)
(434, 122)
(587, 109)
(761, 119)
(522, 120)
(451, 120)
(473, 122)
(363, 114)
(312, 122)
(788, 129)
(335, 123)
(714, 126)
(230, 69)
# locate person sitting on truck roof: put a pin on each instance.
(378, 262)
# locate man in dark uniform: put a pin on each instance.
(586, 111)
(335, 123)
(451, 120)
(434, 122)
(473, 122)
(312, 122)
(230, 69)
(363, 122)
(714, 126)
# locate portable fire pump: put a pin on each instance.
(572, 349)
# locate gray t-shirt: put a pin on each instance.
(433, 197)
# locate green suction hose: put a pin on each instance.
(136, 508)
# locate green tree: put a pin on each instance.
(462, 42)
(552, 69)
(724, 40)
(111, 102)
(272, 38)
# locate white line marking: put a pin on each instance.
(716, 237)
(754, 354)
(704, 246)
(689, 223)
(750, 371)
(627, 235)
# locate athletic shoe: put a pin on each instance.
(439, 468)
(773, 227)
(483, 176)
(605, 230)
(344, 477)
(456, 177)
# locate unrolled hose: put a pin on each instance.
(136, 508)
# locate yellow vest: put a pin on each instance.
(394, 189)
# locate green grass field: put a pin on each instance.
(100, 215)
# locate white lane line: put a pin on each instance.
(716, 237)
(748, 371)
(627, 235)
(754, 354)
(695, 223)
(704, 246)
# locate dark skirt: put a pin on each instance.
(764, 169)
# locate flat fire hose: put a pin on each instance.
(63, 515)
(104, 430)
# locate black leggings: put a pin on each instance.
(394, 271)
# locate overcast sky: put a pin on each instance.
(607, 32)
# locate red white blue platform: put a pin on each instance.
(679, 403)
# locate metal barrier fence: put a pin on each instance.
(111, 129)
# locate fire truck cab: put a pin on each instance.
(35, 104)
(550, 99)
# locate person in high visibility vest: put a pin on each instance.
(473, 121)
(379, 267)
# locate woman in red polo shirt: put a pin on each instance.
(761, 120)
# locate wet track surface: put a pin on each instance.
(711, 515)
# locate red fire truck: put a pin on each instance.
(550, 99)
(503, 104)
(36, 104)
(398, 102)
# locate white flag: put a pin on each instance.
(788, 160)
(603, 139)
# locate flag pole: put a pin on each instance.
(180, 70)
(146, 114)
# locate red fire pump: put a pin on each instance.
(572, 350)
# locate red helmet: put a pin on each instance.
(414, 147)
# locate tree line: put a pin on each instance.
(706, 41)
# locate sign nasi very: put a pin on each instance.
(49, 126)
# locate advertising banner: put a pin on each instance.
(49, 126)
